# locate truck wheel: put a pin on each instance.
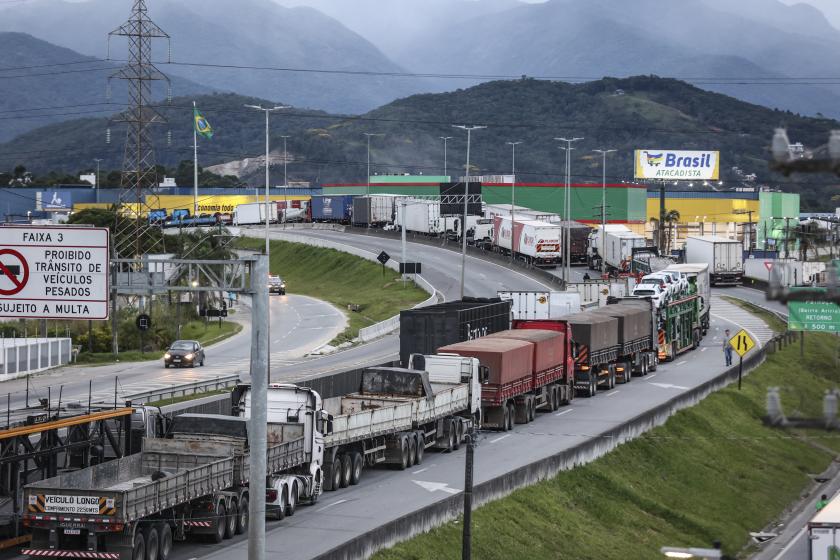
(532, 410)
(242, 518)
(219, 529)
(165, 541)
(230, 521)
(152, 542)
(506, 419)
(334, 475)
(403, 464)
(511, 416)
(421, 448)
(291, 504)
(593, 387)
(459, 433)
(280, 511)
(412, 449)
(139, 547)
(358, 466)
(346, 469)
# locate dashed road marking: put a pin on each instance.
(498, 439)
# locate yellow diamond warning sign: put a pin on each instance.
(742, 342)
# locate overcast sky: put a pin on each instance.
(831, 8)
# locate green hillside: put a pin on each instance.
(625, 114)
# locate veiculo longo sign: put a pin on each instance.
(53, 272)
(678, 165)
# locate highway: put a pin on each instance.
(299, 324)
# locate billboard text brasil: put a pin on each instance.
(679, 165)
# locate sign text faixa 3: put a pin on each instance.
(677, 165)
(53, 272)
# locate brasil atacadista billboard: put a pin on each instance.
(678, 165)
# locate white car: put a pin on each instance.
(680, 278)
(652, 291)
(664, 281)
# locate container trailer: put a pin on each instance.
(594, 250)
(374, 210)
(724, 257)
(535, 242)
(618, 252)
(254, 213)
(332, 208)
(535, 306)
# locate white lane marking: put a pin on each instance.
(792, 542)
(498, 439)
(331, 505)
(435, 486)
(651, 376)
(682, 362)
(613, 393)
(565, 412)
(704, 348)
(418, 471)
(669, 386)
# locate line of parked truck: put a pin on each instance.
(463, 365)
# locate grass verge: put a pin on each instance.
(185, 398)
(773, 321)
(342, 280)
(204, 332)
(713, 471)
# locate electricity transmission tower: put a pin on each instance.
(133, 234)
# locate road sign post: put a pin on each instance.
(54, 272)
(817, 316)
(742, 343)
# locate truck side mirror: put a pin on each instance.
(484, 374)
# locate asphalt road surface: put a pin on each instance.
(299, 324)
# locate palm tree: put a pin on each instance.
(672, 217)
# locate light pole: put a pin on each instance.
(267, 110)
(512, 195)
(604, 204)
(285, 181)
(567, 203)
(445, 139)
(369, 134)
(469, 130)
(97, 160)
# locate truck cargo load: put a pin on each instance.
(596, 332)
(424, 330)
(618, 253)
(634, 321)
(537, 306)
(698, 277)
(595, 250)
(254, 213)
(533, 241)
(508, 360)
(548, 345)
(375, 210)
(332, 208)
(724, 257)
(578, 240)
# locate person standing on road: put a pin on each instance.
(727, 348)
(822, 502)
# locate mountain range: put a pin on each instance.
(623, 114)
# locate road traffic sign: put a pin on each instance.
(768, 265)
(383, 257)
(54, 272)
(144, 322)
(818, 316)
(742, 342)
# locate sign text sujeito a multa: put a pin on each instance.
(678, 165)
(53, 272)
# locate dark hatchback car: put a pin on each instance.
(184, 353)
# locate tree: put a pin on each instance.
(672, 217)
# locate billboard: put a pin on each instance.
(677, 165)
(57, 200)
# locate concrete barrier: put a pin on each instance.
(448, 509)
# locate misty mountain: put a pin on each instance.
(323, 148)
(249, 33)
(38, 87)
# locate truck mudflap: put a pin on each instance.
(71, 554)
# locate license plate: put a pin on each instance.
(72, 531)
(177, 360)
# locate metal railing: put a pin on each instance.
(195, 388)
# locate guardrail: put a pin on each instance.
(197, 387)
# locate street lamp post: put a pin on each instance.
(285, 182)
(97, 160)
(445, 139)
(567, 203)
(604, 204)
(369, 134)
(469, 130)
(512, 195)
(267, 163)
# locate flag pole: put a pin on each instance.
(195, 165)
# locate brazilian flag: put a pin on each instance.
(201, 125)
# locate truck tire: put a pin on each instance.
(291, 503)
(358, 466)
(532, 409)
(593, 386)
(333, 478)
(139, 552)
(242, 519)
(230, 521)
(412, 448)
(219, 528)
(506, 419)
(346, 470)
(511, 415)
(165, 541)
(421, 447)
(459, 433)
(152, 543)
(403, 464)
